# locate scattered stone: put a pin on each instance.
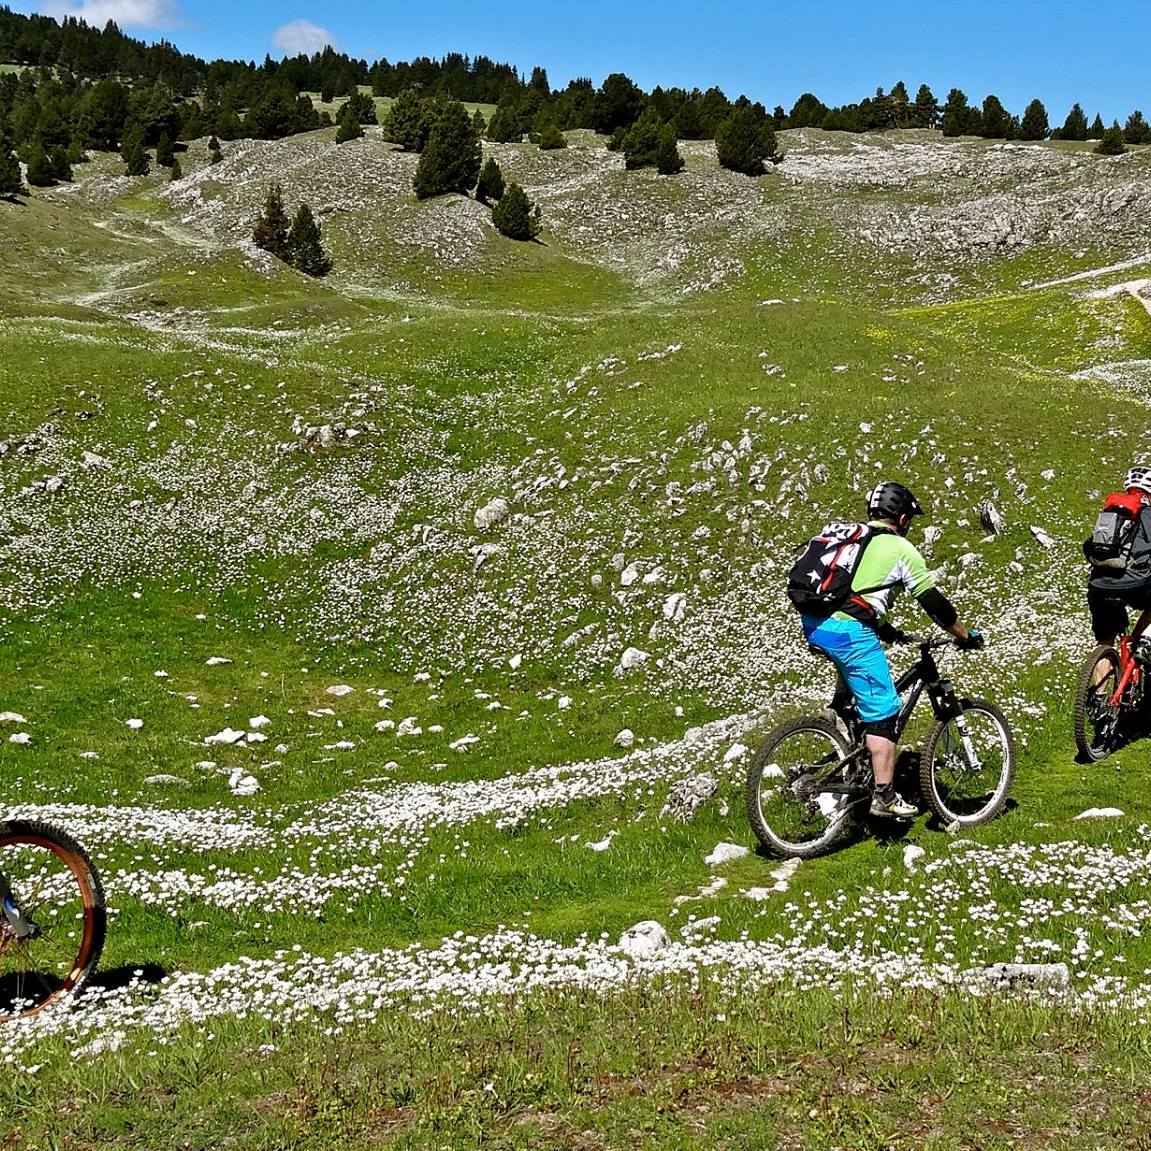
(515, 662)
(165, 781)
(134, 724)
(408, 726)
(492, 513)
(464, 742)
(990, 518)
(674, 607)
(258, 721)
(736, 752)
(633, 657)
(1042, 538)
(11, 717)
(644, 939)
(243, 783)
(602, 844)
(228, 736)
(687, 796)
(339, 690)
(564, 702)
(625, 738)
(1101, 813)
(216, 661)
(20, 737)
(725, 853)
(912, 854)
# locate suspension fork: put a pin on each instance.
(946, 704)
(19, 924)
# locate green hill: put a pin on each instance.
(226, 489)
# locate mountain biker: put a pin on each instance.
(1114, 587)
(851, 638)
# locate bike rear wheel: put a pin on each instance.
(1097, 719)
(967, 765)
(790, 816)
(58, 891)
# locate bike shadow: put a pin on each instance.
(127, 974)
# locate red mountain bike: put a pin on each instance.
(1109, 699)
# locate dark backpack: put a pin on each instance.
(819, 584)
(1111, 542)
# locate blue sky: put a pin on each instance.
(1058, 51)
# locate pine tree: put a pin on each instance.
(955, 113)
(348, 127)
(996, 121)
(479, 124)
(549, 137)
(305, 252)
(668, 160)
(39, 168)
(515, 216)
(616, 139)
(213, 144)
(641, 144)
(491, 182)
(410, 121)
(1110, 142)
(175, 172)
(215, 156)
(11, 182)
(745, 140)
(1137, 130)
(925, 111)
(1075, 126)
(1034, 124)
(271, 230)
(165, 153)
(504, 126)
(132, 151)
(1095, 132)
(451, 159)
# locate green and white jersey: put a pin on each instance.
(889, 565)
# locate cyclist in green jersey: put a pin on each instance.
(851, 638)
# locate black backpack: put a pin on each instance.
(819, 584)
(1112, 540)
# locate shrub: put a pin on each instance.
(271, 230)
(745, 141)
(1110, 144)
(348, 127)
(668, 160)
(11, 182)
(305, 252)
(641, 143)
(410, 121)
(515, 216)
(165, 153)
(491, 182)
(549, 137)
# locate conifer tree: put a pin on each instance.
(515, 216)
(1110, 142)
(165, 153)
(175, 172)
(348, 127)
(1075, 126)
(549, 137)
(1137, 130)
(996, 122)
(925, 111)
(479, 124)
(215, 156)
(491, 182)
(956, 113)
(504, 126)
(745, 140)
(11, 182)
(1034, 124)
(305, 252)
(641, 143)
(451, 159)
(410, 121)
(616, 139)
(132, 151)
(213, 144)
(39, 168)
(271, 230)
(668, 160)
(1095, 132)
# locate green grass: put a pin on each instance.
(466, 384)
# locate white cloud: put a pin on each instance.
(302, 36)
(126, 13)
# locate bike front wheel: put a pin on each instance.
(791, 816)
(54, 949)
(967, 765)
(1097, 719)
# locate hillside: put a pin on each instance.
(226, 490)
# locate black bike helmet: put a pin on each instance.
(892, 501)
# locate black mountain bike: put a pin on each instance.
(809, 783)
(52, 917)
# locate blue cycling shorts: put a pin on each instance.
(855, 650)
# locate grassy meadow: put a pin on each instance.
(406, 934)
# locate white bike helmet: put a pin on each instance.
(1139, 477)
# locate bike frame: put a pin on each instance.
(923, 675)
(20, 925)
(1130, 673)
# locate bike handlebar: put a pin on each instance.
(927, 642)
